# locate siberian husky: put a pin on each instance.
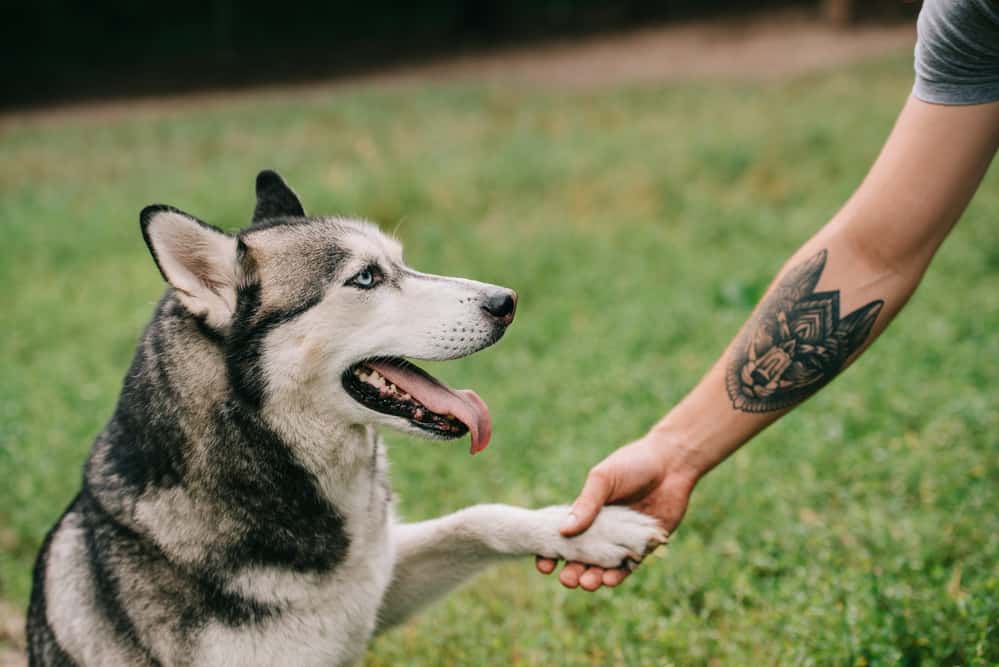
(236, 508)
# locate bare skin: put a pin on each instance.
(831, 300)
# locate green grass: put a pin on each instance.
(639, 226)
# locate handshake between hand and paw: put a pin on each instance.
(642, 475)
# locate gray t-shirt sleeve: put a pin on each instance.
(957, 52)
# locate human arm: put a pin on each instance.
(831, 299)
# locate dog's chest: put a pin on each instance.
(324, 619)
(328, 623)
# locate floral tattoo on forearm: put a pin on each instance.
(796, 342)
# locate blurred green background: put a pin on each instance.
(640, 225)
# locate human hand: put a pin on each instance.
(648, 475)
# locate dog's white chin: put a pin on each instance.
(405, 426)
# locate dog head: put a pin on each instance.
(319, 315)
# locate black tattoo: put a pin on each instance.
(796, 343)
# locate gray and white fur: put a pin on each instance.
(236, 508)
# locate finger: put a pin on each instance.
(592, 579)
(594, 496)
(614, 577)
(544, 565)
(569, 576)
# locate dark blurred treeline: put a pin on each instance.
(58, 50)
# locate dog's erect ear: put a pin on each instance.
(198, 260)
(275, 199)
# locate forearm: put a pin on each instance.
(827, 305)
(840, 290)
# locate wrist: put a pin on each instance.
(678, 452)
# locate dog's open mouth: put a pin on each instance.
(396, 387)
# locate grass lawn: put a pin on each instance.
(639, 226)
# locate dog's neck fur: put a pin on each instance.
(295, 464)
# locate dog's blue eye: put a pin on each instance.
(366, 278)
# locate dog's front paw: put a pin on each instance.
(619, 538)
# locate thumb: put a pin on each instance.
(591, 499)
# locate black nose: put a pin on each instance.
(501, 305)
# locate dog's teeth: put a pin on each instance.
(385, 387)
(418, 413)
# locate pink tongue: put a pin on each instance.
(463, 404)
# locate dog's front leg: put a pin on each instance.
(432, 557)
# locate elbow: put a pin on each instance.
(889, 250)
